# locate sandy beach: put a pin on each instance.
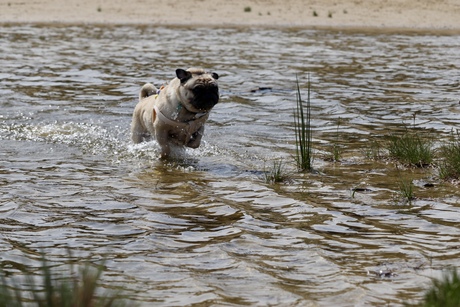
(385, 14)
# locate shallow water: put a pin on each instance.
(207, 229)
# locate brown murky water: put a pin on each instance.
(208, 230)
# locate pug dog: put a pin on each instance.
(175, 115)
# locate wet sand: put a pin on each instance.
(384, 14)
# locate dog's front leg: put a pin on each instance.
(195, 140)
(162, 138)
(137, 129)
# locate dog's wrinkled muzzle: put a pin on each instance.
(206, 97)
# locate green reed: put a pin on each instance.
(57, 291)
(303, 130)
(449, 167)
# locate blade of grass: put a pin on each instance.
(303, 131)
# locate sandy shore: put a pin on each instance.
(391, 14)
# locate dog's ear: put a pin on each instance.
(183, 75)
(214, 75)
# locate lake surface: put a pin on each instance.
(207, 229)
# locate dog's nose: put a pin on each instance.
(203, 89)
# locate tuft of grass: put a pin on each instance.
(411, 149)
(445, 292)
(99, 9)
(374, 150)
(276, 173)
(315, 14)
(303, 130)
(449, 167)
(406, 190)
(247, 9)
(329, 14)
(336, 151)
(9, 297)
(57, 291)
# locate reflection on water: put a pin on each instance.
(208, 229)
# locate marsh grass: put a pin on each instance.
(276, 173)
(449, 167)
(374, 150)
(58, 291)
(411, 149)
(406, 190)
(336, 150)
(444, 292)
(303, 130)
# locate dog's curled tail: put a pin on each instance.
(147, 90)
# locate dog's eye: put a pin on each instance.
(215, 76)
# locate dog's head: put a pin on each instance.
(198, 88)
